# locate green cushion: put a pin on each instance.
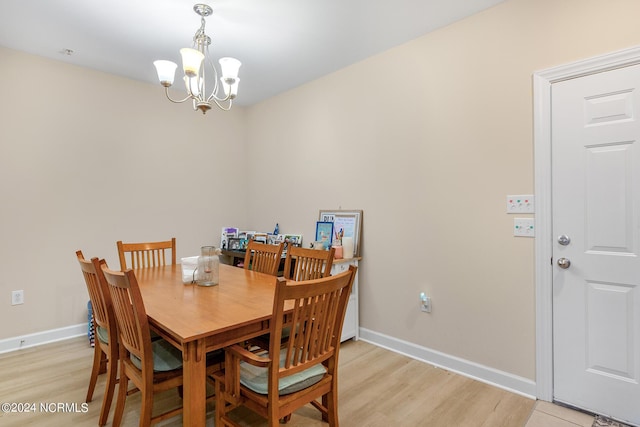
(165, 357)
(102, 334)
(255, 378)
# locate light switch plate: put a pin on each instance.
(521, 203)
(523, 227)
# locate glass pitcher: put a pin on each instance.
(208, 266)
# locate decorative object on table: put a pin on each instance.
(347, 247)
(208, 272)
(260, 237)
(337, 251)
(291, 240)
(226, 234)
(235, 244)
(294, 239)
(349, 221)
(275, 239)
(276, 230)
(324, 233)
(189, 266)
(194, 63)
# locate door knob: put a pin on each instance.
(564, 263)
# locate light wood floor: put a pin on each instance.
(377, 388)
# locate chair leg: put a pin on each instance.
(330, 401)
(220, 403)
(95, 370)
(273, 422)
(222, 406)
(112, 371)
(147, 406)
(122, 395)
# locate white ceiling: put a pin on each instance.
(281, 43)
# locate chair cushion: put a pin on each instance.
(255, 378)
(165, 357)
(102, 334)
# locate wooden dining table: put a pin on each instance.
(199, 319)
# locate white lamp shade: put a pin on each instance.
(229, 67)
(191, 61)
(227, 87)
(191, 84)
(166, 71)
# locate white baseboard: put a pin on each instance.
(44, 337)
(503, 380)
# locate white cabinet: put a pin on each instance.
(351, 325)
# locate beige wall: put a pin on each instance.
(88, 158)
(427, 138)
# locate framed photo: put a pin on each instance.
(226, 234)
(295, 239)
(291, 239)
(245, 234)
(260, 237)
(275, 239)
(348, 223)
(235, 244)
(324, 232)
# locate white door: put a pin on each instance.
(596, 205)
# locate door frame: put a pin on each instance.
(542, 84)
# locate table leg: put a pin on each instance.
(195, 387)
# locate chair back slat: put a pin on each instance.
(147, 254)
(307, 264)
(318, 313)
(263, 258)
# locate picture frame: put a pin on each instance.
(225, 234)
(324, 232)
(349, 221)
(294, 239)
(290, 240)
(260, 237)
(275, 239)
(235, 244)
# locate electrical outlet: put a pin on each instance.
(17, 297)
(425, 303)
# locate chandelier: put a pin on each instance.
(194, 63)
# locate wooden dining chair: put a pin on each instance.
(152, 366)
(263, 258)
(305, 369)
(146, 254)
(105, 352)
(301, 264)
(307, 264)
